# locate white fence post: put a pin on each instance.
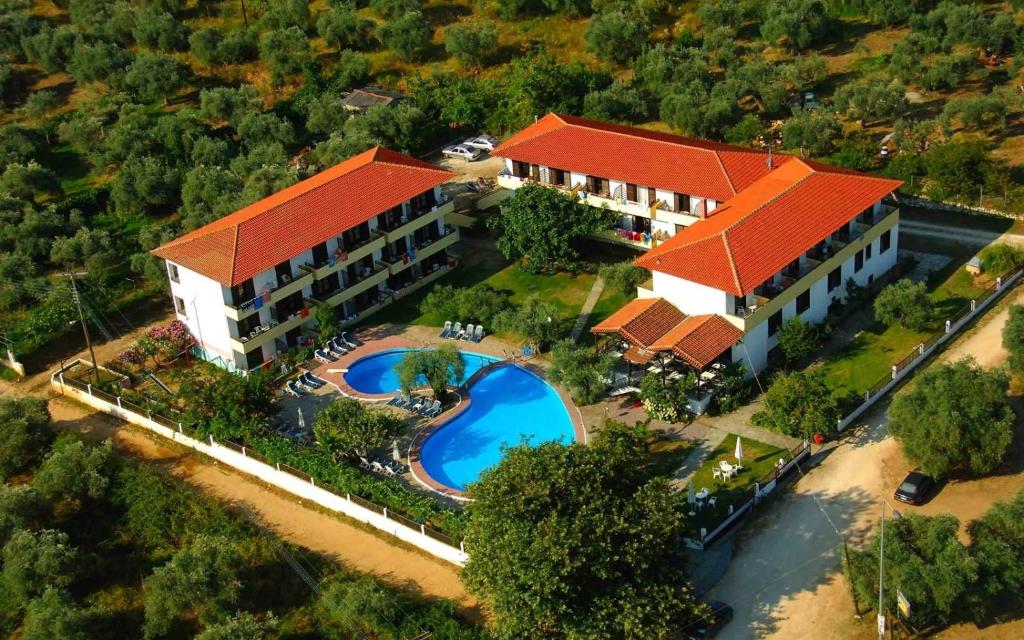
(974, 305)
(920, 349)
(385, 512)
(999, 282)
(423, 530)
(119, 402)
(180, 430)
(894, 372)
(243, 453)
(949, 326)
(278, 465)
(311, 481)
(211, 439)
(88, 387)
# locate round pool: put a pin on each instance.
(509, 405)
(377, 373)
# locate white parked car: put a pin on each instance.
(461, 151)
(484, 143)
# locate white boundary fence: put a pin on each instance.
(241, 460)
(905, 367)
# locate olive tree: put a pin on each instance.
(440, 368)
(346, 426)
(955, 420)
(472, 43)
(905, 303)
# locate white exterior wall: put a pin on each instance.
(690, 297)
(204, 311)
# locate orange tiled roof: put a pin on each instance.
(767, 225)
(699, 339)
(642, 321)
(657, 325)
(258, 237)
(648, 158)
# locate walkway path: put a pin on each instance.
(588, 306)
(979, 237)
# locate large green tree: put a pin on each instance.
(75, 470)
(542, 228)
(24, 434)
(346, 426)
(229, 406)
(799, 404)
(1013, 337)
(201, 579)
(925, 560)
(578, 542)
(954, 420)
(440, 368)
(35, 560)
(580, 371)
(905, 303)
(997, 543)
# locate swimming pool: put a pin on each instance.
(376, 374)
(509, 404)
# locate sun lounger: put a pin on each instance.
(395, 400)
(294, 389)
(312, 377)
(456, 330)
(364, 463)
(434, 409)
(420, 402)
(389, 472)
(376, 466)
(407, 402)
(427, 408)
(323, 356)
(468, 335)
(348, 340)
(447, 329)
(479, 334)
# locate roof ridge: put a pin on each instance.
(769, 201)
(725, 172)
(732, 262)
(234, 252)
(665, 142)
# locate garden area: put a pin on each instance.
(757, 461)
(868, 356)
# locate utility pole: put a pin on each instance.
(85, 326)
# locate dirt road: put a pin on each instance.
(785, 578)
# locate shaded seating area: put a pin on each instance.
(651, 335)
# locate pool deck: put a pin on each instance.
(374, 341)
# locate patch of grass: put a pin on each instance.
(871, 354)
(666, 456)
(758, 460)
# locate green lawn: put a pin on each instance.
(758, 460)
(871, 354)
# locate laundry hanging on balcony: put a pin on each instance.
(257, 303)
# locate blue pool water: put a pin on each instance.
(376, 373)
(509, 404)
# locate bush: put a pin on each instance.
(667, 401)
(624, 277)
(580, 370)
(346, 426)
(799, 404)
(536, 321)
(472, 43)
(25, 434)
(955, 420)
(797, 339)
(997, 259)
(905, 303)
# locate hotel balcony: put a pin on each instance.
(307, 273)
(273, 329)
(403, 229)
(397, 265)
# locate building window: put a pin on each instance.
(774, 323)
(631, 192)
(254, 358)
(867, 252)
(172, 270)
(858, 261)
(803, 302)
(885, 241)
(835, 278)
(179, 306)
(556, 177)
(652, 196)
(682, 202)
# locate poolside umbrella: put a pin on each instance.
(302, 420)
(396, 455)
(739, 450)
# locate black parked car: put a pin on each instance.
(721, 614)
(915, 488)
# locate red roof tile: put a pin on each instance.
(258, 237)
(766, 226)
(699, 339)
(642, 321)
(666, 161)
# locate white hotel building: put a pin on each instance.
(738, 241)
(354, 236)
